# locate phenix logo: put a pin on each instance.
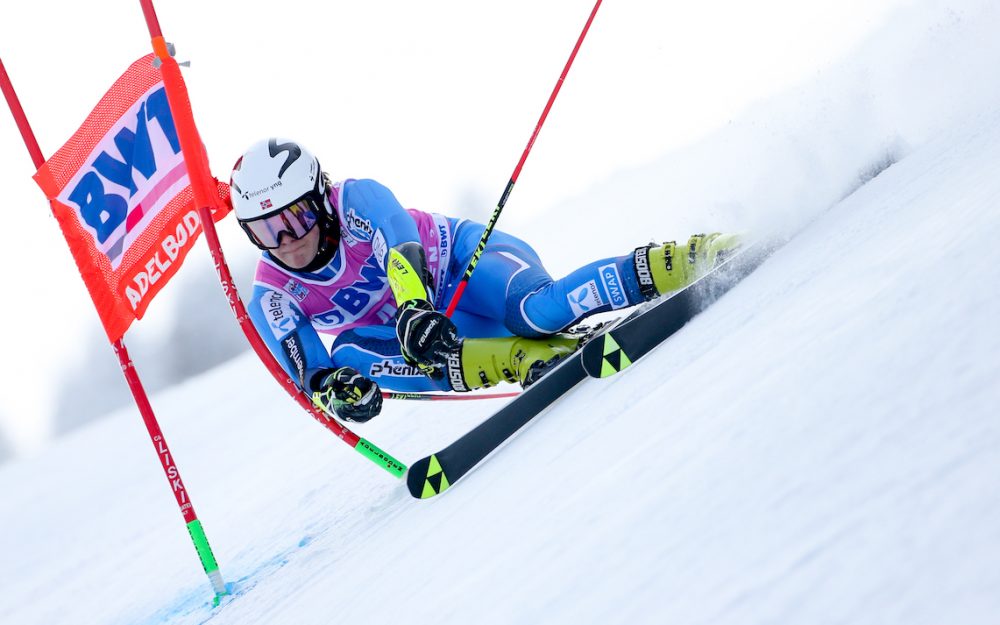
(358, 225)
(390, 367)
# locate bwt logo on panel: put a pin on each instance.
(104, 195)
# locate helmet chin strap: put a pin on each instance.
(327, 248)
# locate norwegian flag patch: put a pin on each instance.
(265, 203)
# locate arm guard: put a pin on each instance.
(409, 277)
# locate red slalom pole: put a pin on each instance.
(445, 397)
(517, 170)
(194, 527)
(206, 198)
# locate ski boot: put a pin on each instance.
(665, 268)
(482, 363)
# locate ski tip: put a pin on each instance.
(426, 478)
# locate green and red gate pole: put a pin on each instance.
(206, 198)
(173, 475)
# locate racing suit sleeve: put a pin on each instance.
(391, 226)
(395, 240)
(289, 335)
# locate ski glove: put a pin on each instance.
(426, 336)
(347, 393)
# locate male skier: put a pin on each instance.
(346, 259)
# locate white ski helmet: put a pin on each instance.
(279, 188)
(270, 175)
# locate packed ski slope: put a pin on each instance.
(820, 446)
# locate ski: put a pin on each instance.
(436, 473)
(616, 346)
(636, 335)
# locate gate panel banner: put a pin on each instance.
(121, 194)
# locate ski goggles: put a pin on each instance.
(294, 220)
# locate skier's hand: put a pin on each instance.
(426, 336)
(348, 394)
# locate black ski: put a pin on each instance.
(434, 474)
(638, 334)
(616, 346)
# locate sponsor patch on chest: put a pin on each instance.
(297, 290)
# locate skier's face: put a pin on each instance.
(297, 253)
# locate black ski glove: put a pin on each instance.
(347, 393)
(426, 336)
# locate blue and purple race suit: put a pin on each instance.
(510, 292)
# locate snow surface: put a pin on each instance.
(820, 446)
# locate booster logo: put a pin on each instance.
(454, 365)
(613, 286)
(105, 194)
(642, 267)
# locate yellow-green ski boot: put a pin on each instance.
(666, 268)
(483, 363)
